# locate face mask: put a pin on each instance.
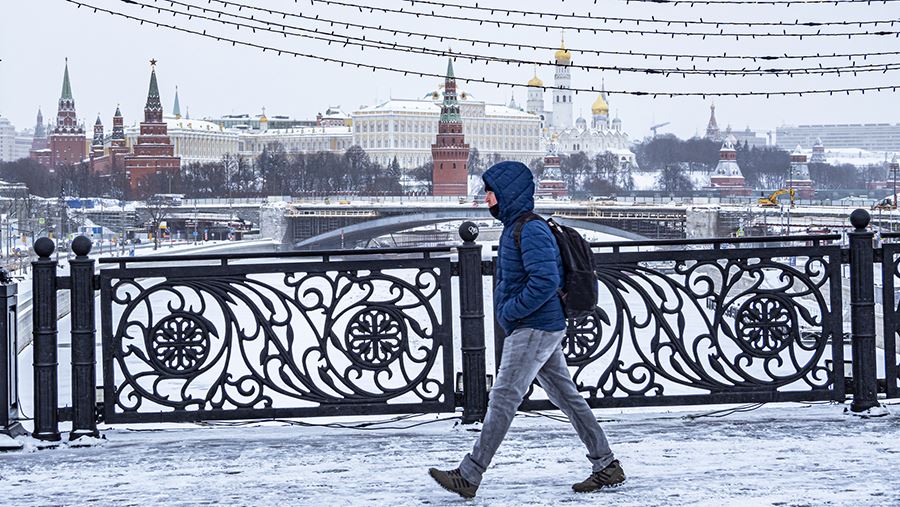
(495, 211)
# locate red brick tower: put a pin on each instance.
(117, 143)
(97, 143)
(67, 141)
(450, 151)
(153, 163)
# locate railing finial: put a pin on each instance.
(44, 247)
(81, 246)
(468, 231)
(860, 219)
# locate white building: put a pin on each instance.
(7, 141)
(406, 129)
(22, 147)
(297, 140)
(195, 140)
(602, 135)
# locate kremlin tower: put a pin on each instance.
(818, 153)
(450, 151)
(153, 155)
(551, 183)
(727, 178)
(799, 178)
(118, 144)
(40, 141)
(67, 144)
(97, 143)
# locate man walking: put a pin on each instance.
(526, 305)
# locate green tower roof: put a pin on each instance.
(176, 110)
(67, 87)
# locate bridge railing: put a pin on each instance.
(347, 332)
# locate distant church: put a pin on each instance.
(573, 135)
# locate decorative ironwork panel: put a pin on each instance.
(710, 326)
(890, 272)
(277, 340)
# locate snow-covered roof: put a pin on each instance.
(501, 110)
(307, 131)
(423, 106)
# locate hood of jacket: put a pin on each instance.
(513, 185)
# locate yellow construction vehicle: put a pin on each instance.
(772, 200)
(886, 204)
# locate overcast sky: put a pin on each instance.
(108, 63)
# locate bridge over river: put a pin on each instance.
(330, 222)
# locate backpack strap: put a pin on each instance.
(520, 224)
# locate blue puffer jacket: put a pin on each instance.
(527, 278)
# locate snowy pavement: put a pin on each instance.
(778, 455)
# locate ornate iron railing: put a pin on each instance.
(371, 332)
(890, 272)
(277, 340)
(710, 326)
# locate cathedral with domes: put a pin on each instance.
(599, 135)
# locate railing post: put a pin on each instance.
(862, 313)
(9, 374)
(471, 317)
(84, 396)
(43, 297)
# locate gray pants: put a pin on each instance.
(530, 353)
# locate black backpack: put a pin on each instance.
(579, 293)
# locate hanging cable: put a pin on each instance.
(521, 46)
(786, 3)
(638, 21)
(595, 30)
(406, 72)
(473, 57)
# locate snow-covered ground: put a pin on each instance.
(785, 455)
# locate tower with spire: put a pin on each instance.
(67, 143)
(818, 153)
(450, 151)
(176, 109)
(152, 166)
(712, 128)
(40, 141)
(562, 94)
(117, 143)
(551, 184)
(727, 178)
(798, 178)
(97, 143)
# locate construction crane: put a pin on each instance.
(661, 125)
(772, 200)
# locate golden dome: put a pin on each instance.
(535, 81)
(600, 106)
(562, 54)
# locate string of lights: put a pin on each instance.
(786, 3)
(482, 80)
(521, 46)
(393, 46)
(638, 21)
(596, 30)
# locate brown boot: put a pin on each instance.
(609, 477)
(452, 480)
